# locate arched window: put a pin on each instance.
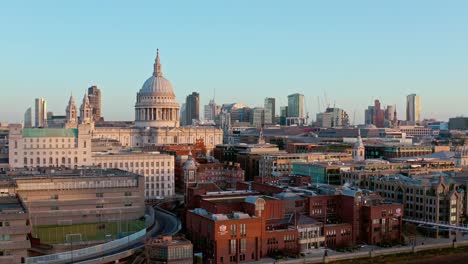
(63, 160)
(84, 144)
(25, 161)
(51, 161)
(38, 160)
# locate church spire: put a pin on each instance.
(157, 66)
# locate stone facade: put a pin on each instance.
(43, 147)
(157, 169)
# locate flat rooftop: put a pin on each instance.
(71, 173)
(10, 204)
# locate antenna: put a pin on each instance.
(354, 117)
(318, 104)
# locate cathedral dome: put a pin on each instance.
(156, 105)
(157, 86)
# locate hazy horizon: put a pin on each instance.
(243, 51)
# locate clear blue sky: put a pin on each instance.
(354, 51)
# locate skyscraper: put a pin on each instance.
(259, 115)
(211, 110)
(28, 118)
(271, 106)
(192, 108)
(94, 96)
(40, 118)
(296, 105)
(413, 108)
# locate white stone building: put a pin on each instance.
(157, 169)
(41, 147)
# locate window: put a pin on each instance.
(100, 206)
(243, 229)
(128, 193)
(54, 208)
(232, 246)
(233, 230)
(54, 197)
(243, 244)
(99, 195)
(128, 204)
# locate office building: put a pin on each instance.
(192, 108)
(40, 118)
(430, 198)
(270, 105)
(333, 117)
(28, 118)
(212, 110)
(296, 105)
(94, 96)
(458, 123)
(413, 109)
(259, 116)
(157, 169)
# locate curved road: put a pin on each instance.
(166, 223)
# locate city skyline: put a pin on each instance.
(351, 73)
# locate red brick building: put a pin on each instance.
(381, 222)
(243, 228)
(354, 217)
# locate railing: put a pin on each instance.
(89, 252)
(440, 224)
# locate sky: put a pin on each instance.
(342, 53)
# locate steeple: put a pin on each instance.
(261, 139)
(71, 112)
(157, 66)
(359, 148)
(86, 110)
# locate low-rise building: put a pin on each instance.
(14, 230)
(66, 197)
(241, 229)
(282, 164)
(169, 250)
(157, 169)
(432, 198)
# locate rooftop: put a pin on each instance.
(167, 241)
(68, 173)
(50, 132)
(11, 205)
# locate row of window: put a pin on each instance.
(99, 206)
(233, 245)
(51, 162)
(98, 195)
(134, 164)
(154, 193)
(243, 229)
